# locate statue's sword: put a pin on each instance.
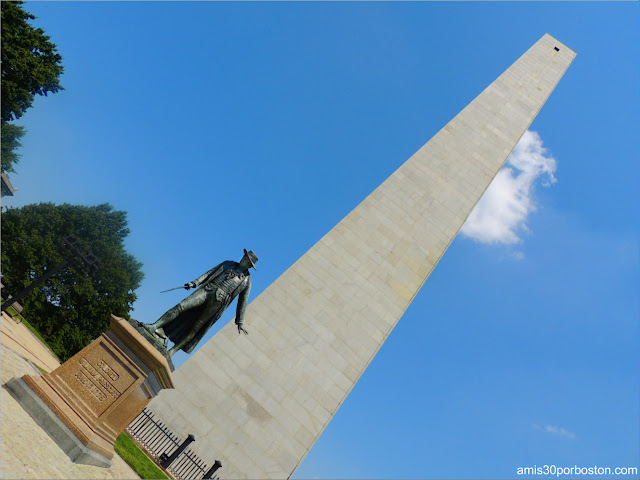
(176, 288)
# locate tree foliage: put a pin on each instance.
(31, 66)
(9, 144)
(69, 310)
(30, 62)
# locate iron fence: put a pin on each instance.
(159, 442)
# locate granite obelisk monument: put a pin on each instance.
(259, 402)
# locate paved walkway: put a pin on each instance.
(20, 339)
(26, 451)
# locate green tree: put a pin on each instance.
(9, 144)
(69, 310)
(30, 62)
(31, 66)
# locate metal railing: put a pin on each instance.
(168, 450)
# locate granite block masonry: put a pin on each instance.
(258, 403)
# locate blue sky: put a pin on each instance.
(223, 126)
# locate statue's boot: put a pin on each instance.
(158, 332)
(150, 328)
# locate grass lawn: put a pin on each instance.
(141, 464)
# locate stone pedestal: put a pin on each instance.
(89, 400)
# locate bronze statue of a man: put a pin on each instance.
(187, 322)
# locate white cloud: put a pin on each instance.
(552, 429)
(518, 255)
(500, 215)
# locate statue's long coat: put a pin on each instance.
(184, 323)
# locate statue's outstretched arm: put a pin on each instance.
(214, 272)
(242, 302)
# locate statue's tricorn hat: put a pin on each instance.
(253, 258)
